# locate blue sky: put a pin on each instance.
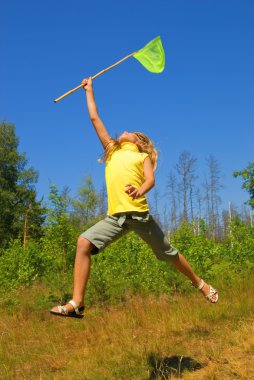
(202, 102)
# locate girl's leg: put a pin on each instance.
(81, 269)
(184, 267)
(105, 231)
(81, 272)
(153, 235)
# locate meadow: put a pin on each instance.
(143, 319)
(145, 337)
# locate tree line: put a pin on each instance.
(188, 200)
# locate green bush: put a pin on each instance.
(201, 252)
(239, 245)
(19, 265)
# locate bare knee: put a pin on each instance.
(84, 245)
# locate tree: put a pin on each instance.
(186, 170)
(21, 214)
(103, 201)
(172, 192)
(212, 186)
(247, 175)
(215, 186)
(86, 204)
(59, 233)
(155, 208)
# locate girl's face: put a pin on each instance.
(128, 137)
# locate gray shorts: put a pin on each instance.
(115, 226)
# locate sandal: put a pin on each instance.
(63, 312)
(213, 295)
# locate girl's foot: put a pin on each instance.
(71, 309)
(208, 291)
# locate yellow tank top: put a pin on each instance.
(124, 167)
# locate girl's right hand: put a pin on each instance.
(88, 84)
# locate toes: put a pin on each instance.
(215, 297)
(55, 309)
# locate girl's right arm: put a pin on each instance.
(93, 113)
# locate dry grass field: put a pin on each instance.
(144, 338)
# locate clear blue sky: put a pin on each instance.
(202, 102)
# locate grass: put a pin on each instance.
(144, 338)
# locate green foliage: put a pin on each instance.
(247, 175)
(239, 245)
(201, 252)
(17, 193)
(233, 255)
(125, 267)
(86, 204)
(59, 240)
(128, 266)
(20, 265)
(51, 257)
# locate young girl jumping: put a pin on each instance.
(130, 165)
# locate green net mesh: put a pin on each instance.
(152, 56)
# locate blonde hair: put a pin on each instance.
(144, 144)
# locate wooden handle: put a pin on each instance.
(95, 76)
(68, 93)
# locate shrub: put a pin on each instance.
(20, 265)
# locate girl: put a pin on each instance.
(130, 165)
